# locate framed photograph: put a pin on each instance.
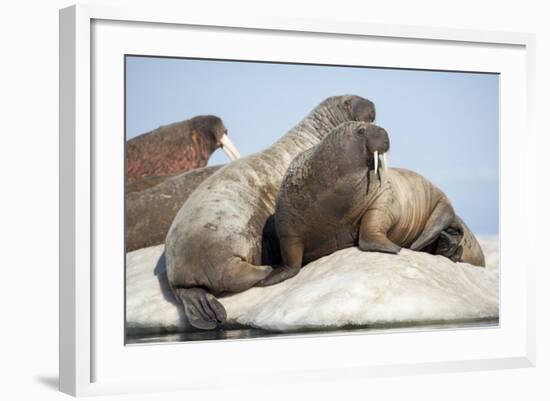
(307, 200)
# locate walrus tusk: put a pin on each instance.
(385, 162)
(375, 162)
(229, 148)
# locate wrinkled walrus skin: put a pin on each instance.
(144, 183)
(214, 245)
(151, 210)
(174, 149)
(331, 199)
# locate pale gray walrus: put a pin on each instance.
(152, 203)
(214, 246)
(333, 196)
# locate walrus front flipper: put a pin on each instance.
(202, 309)
(442, 217)
(375, 225)
(379, 243)
(292, 252)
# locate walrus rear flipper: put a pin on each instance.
(448, 243)
(202, 309)
(471, 251)
(442, 216)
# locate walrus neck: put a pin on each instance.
(310, 131)
(363, 195)
(206, 148)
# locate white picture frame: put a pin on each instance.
(93, 361)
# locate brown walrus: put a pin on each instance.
(333, 197)
(214, 245)
(177, 148)
(151, 208)
(141, 184)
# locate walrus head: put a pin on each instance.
(216, 132)
(361, 144)
(359, 108)
(337, 109)
(349, 153)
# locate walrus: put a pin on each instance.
(215, 244)
(333, 196)
(141, 184)
(177, 148)
(151, 208)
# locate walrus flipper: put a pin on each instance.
(449, 241)
(292, 252)
(375, 225)
(240, 275)
(379, 243)
(441, 218)
(279, 274)
(470, 249)
(202, 309)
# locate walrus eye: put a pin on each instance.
(362, 131)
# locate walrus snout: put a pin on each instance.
(362, 110)
(378, 145)
(368, 114)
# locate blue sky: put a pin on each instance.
(443, 125)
